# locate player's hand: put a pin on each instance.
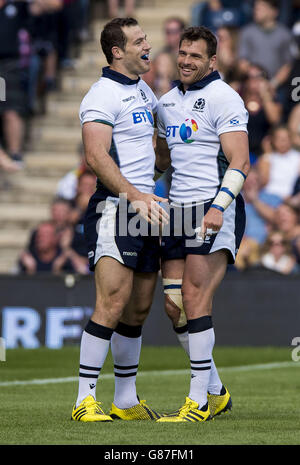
(148, 208)
(211, 223)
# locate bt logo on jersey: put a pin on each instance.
(143, 117)
(187, 128)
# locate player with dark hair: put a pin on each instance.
(202, 131)
(117, 128)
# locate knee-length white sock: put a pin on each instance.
(126, 344)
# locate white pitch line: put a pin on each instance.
(72, 379)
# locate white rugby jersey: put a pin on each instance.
(192, 122)
(128, 106)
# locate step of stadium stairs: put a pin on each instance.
(22, 216)
(56, 137)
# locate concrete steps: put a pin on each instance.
(11, 238)
(9, 258)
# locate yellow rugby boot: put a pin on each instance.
(189, 412)
(141, 411)
(89, 410)
(219, 403)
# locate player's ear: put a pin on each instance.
(117, 52)
(212, 62)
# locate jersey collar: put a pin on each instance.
(202, 83)
(118, 77)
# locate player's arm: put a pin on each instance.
(97, 139)
(163, 159)
(236, 149)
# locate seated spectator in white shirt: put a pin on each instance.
(280, 169)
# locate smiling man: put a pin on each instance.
(202, 131)
(117, 129)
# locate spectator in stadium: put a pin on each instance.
(227, 50)
(85, 189)
(285, 218)
(7, 164)
(114, 8)
(293, 124)
(67, 186)
(280, 169)
(68, 24)
(14, 62)
(267, 43)
(60, 217)
(263, 107)
(74, 250)
(163, 71)
(217, 13)
(73, 242)
(257, 227)
(44, 43)
(277, 254)
(46, 254)
(15, 65)
(67, 217)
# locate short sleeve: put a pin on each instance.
(99, 105)
(161, 130)
(229, 114)
(154, 102)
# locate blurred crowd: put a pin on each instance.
(38, 38)
(258, 55)
(58, 245)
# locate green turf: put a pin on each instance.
(266, 408)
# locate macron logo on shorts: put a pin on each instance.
(130, 254)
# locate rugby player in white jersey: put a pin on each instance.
(117, 128)
(202, 131)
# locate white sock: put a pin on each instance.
(126, 344)
(183, 338)
(215, 384)
(94, 347)
(201, 343)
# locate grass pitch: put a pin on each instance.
(264, 384)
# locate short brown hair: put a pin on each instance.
(113, 36)
(195, 33)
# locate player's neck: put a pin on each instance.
(187, 85)
(122, 70)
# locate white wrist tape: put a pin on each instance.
(231, 186)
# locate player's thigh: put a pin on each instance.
(202, 276)
(113, 285)
(172, 269)
(141, 298)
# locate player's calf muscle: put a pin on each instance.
(172, 310)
